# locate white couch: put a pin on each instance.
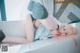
(63, 45)
(13, 28)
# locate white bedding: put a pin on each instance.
(62, 45)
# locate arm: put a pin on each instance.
(49, 23)
(29, 29)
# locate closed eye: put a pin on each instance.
(57, 27)
(64, 29)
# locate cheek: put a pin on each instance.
(63, 32)
(69, 32)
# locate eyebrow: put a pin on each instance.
(57, 27)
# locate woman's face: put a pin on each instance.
(66, 30)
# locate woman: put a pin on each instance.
(37, 11)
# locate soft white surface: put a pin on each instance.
(13, 28)
(62, 45)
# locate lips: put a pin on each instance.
(58, 34)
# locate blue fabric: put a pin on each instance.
(42, 33)
(2, 10)
(38, 10)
